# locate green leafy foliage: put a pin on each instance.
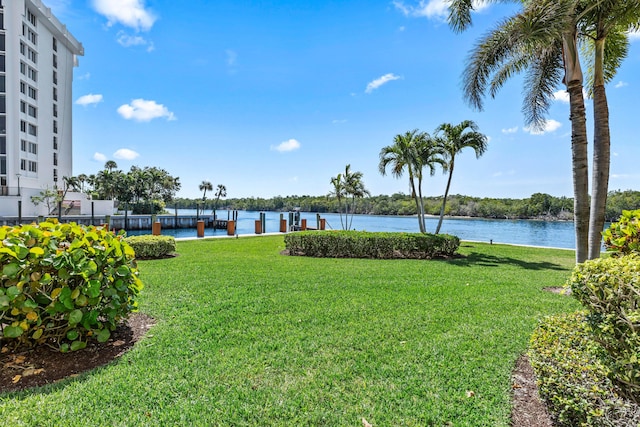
(360, 244)
(623, 237)
(610, 291)
(151, 247)
(64, 283)
(571, 377)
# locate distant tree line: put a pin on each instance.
(538, 206)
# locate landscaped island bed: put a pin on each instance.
(246, 336)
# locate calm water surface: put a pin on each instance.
(559, 234)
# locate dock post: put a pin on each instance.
(303, 224)
(200, 228)
(155, 228)
(283, 224)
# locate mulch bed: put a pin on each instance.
(44, 365)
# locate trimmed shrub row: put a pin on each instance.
(151, 247)
(571, 377)
(360, 244)
(62, 284)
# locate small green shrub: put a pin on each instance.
(623, 237)
(62, 284)
(571, 377)
(609, 288)
(150, 247)
(360, 244)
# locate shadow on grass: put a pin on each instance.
(475, 259)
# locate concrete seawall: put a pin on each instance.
(133, 222)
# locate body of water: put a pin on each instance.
(559, 234)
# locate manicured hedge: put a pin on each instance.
(151, 247)
(572, 378)
(63, 284)
(360, 244)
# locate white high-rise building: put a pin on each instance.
(37, 57)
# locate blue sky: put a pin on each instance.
(276, 97)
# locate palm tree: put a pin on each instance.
(403, 154)
(413, 151)
(541, 40)
(605, 29)
(82, 178)
(354, 187)
(221, 191)
(110, 165)
(455, 139)
(205, 185)
(339, 193)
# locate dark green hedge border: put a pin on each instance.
(361, 244)
(152, 247)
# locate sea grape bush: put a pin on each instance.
(360, 244)
(609, 288)
(150, 247)
(63, 284)
(623, 237)
(571, 377)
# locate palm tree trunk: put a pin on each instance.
(444, 200)
(573, 79)
(424, 225)
(601, 155)
(418, 209)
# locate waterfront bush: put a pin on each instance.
(360, 244)
(623, 236)
(609, 288)
(152, 247)
(63, 284)
(571, 377)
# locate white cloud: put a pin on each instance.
(401, 29)
(549, 126)
(126, 154)
(127, 41)
(85, 76)
(510, 130)
(375, 84)
(99, 157)
(634, 35)
(89, 99)
(285, 146)
(561, 95)
(438, 9)
(621, 84)
(142, 110)
(130, 13)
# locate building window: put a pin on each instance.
(3, 46)
(2, 63)
(33, 111)
(23, 88)
(55, 159)
(32, 55)
(55, 77)
(33, 93)
(33, 74)
(23, 126)
(33, 130)
(23, 107)
(33, 148)
(31, 18)
(55, 175)
(55, 142)
(23, 165)
(23, 68)
(3, 124)
(3, 170)
(3, 86)
(55, 45)
(55, 93)
(23, 145)
(55, 110)
(33, 166)
(55, 60)
(23, 48)
(3, 145)
(33, 37)
(55, 126)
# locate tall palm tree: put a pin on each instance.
(221, 191)
(204, 186)
(454, 140)
(354, 187)
(605, 29)
(82, 178)
(403, 155)
(541, 40)
(339, 193)
(110, 165)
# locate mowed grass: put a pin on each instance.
(248, 337)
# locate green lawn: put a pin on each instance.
(248, 337)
